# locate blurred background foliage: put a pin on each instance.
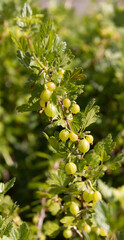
(96, 40)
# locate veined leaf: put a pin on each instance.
(23, 231)
(9, 185)
(51, 229)
(67, 221)
(109, 144)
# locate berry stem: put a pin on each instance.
(62, 107)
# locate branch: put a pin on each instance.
(41, 218)
(78, 232)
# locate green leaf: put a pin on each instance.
(1, 187)
(104, 189)
(114, 166)
(89, 106)
(60, 122)
(90, 114)
(59, 45)
(77, 75)
(50, 41)
(43, 194)
(29, 107)
(14, 234)
(23, 231)
(25, 59)
(15, 40)
(67, 221)
(92, 159)
(51, 229)
(59, 178)
(9, 185)
(73, 90)
(54, 208)
(76, 122)
(99, 148)
(54, 143)
(109, 144)
(8, 229)
(23, 44)
(102, 215)
(104, 157)
(26, 11)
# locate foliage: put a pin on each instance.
(96, 40)
(9, 220)
(45, 56)
(30, 144)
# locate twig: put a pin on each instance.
(41, 218)
(78, 232)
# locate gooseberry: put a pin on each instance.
(89, 138)
(84, 146)
(66, 103)
(74, 209)
(88, 196)
(51, 86)
(70, 168)
(73, 137)
(103, 233)
(61, 72)
(75, 108)
(46, 95)
(50, 110)
(64, 135)
(97, 196)
(42, 103)
(67, 233)
(87, 228)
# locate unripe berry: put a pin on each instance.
(42, 103)
(73, 137)
(61, 72)
(87, 228)
(45, 95)
(84, 146)
(70, 168)
(74, 209)
(67, 233)
(103, 233)
(51, 86)
(66, 103)
(96, 230)
(97, 196)
(89, 138)
(50, 110)
(88, 196)
(75, 108)
(64, 135)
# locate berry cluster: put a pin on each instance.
(47, 105)
(50, 109)
(81, 144)
(74, 208)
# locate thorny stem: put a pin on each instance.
(78, 232)
(41, 218)
(35, 57)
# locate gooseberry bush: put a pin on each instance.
(72, 202)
